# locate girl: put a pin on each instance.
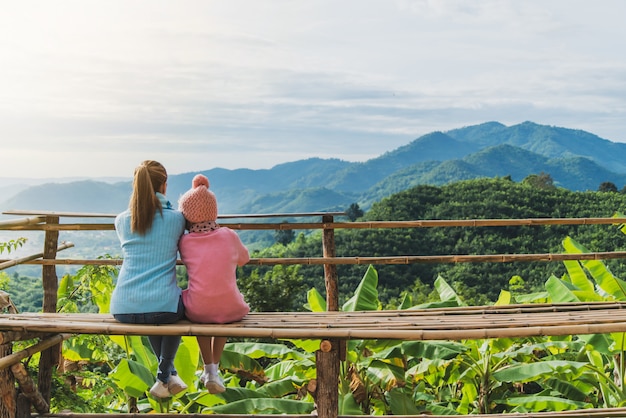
(211, 254)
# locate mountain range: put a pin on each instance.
(575, 159)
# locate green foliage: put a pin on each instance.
(607, 186)
(89, 290)
(26, 292)
(84, 391)
(284, 236)
(277, 288)
(354, 212)
(274, 290)
(11, 244)
(540, 181)
(4, 281)
(525, 375)
(94, 356)
(478, 283)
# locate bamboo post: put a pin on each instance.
(327, 364)
(7, 386)
(49, 357)
(330, 270)
(7, 381)
(28, 388)
(327, 357)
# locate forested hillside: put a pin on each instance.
(575, 159)
(497, 198)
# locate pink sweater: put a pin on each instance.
(211, 259)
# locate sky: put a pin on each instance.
(92, 87)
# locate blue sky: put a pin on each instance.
(91, 88)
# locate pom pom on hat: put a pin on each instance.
(198, 204)
(199, 180)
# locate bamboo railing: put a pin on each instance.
(332, 327)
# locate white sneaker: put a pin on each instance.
(214, 383)
(175, 384)
(160, 390)
(204, 377)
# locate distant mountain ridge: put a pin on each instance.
(576, 160)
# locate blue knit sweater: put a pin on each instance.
(147, 279)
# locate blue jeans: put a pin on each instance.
(164, 346)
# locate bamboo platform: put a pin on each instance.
(479, 322)
(464, 323)
(584, 413)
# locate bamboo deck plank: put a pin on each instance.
(426, 324)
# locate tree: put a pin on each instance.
(540, 181)
(354, 212)
(284, 236)
(607, 186)
(273, 291)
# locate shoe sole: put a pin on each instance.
(156, 395)
(160, 397)
(176, 390)
(214, 388)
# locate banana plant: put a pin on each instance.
(390, 376)
(590, 281)
(384, 376)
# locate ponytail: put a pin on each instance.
(149, 177)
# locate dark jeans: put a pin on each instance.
(164, 346)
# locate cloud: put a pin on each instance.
(254, 84)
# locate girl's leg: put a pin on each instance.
(212, 349)
(218, 348)
(206, 349)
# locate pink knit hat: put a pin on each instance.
(198, 204)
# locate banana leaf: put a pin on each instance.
(259, 350)
(235, 361)
(315, 301)
(433, 349)
(281, 388)
(401, 403)
(526, 372)
(265, 406)
(348, 405)
(446, 292)
(300, 369)
(545, 403)
(132, 377)
(366, 294)
(187, 360)
(598, 270)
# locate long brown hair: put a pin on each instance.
(150, 176)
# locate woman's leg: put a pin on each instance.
(155, 343)
(165, 346)
(169, 346)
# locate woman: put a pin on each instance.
(146, 291)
